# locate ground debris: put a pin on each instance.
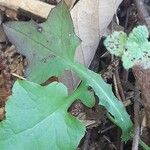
(10, 62)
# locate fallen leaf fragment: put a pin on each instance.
(70, 3)
(10, 13)
(35, 7)
(2, 111)
(91, 19)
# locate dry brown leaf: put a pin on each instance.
(16, 62)
(2, 111)
(2, 35)
(91, 19)
(11, 14)
(35, 7)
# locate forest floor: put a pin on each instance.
(101, 133)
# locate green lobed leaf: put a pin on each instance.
(139, 35)
(116, 43)
(107, 98)
(37, 118)
(41, 43)
(136, 49)
(61, 44)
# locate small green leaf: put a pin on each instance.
(138, 48)
(116, 43)
(137, 55)
(134, 49)
(37, 118)
(139, 35)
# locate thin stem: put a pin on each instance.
(75, 95)
(144, 145)
(136, 137)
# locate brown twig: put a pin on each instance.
(127, 20)
(119, 84)
(136, 137)
(116, 87)
(107, 129)
(143, 13)
(108, 140)
(18, 76)
(86, 141)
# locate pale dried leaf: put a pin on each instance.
(33, 6)
(70, 3)
(91, 19)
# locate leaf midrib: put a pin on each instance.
(81, 71)
(88, 77)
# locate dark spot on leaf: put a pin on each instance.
(47, 58)
(145, 52)
(111, 47)
(117, 45)
(44, 60)
(111, 42)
